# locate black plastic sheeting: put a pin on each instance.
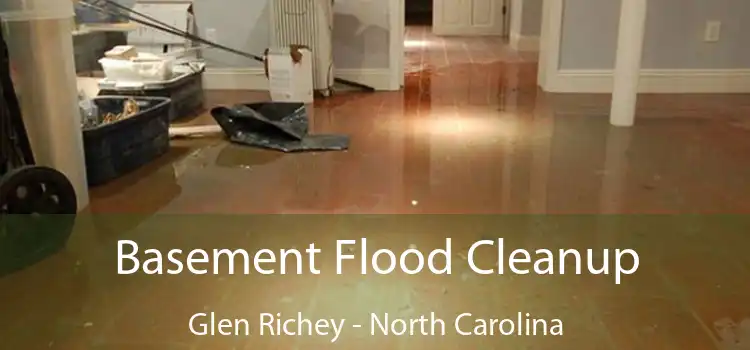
(281, 126)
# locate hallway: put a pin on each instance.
(469, 134)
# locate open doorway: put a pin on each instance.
(418, 23)
(418, 12)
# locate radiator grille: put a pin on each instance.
(305, 22)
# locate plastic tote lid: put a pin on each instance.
(29, 10)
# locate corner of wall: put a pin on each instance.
(520, 42)
(549, 44)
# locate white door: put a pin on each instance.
(468, 17)
(397, 22)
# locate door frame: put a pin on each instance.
(397, 15)
(397, 23)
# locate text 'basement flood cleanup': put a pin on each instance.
(131, 260)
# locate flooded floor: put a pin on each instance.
(469, 134)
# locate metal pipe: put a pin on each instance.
(40, 44)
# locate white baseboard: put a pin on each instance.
(377, 78)
(520, 42)
(662, 81)
(255, 78)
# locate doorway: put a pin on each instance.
(443, 18)
(469, 17)
(457, 17)
(418, 12)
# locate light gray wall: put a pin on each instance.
(360, 34)
(360, 31)
(674, 34)
(531, 24)
(526, 17)
(239, 24)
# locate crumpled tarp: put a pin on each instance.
(281, 126)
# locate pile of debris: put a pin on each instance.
(91, 117)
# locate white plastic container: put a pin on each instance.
(137, 70)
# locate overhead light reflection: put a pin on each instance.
(478, 128)
(415, 43)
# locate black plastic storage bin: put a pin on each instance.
(185, 91)
(114, 149)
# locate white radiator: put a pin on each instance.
(309, 23)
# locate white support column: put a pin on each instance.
(516, 18)
(614, 179)
(628, 62)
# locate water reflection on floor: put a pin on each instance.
(469, 134)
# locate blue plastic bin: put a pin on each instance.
(114, 149)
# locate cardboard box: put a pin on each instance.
(178, 14)
(124, 52)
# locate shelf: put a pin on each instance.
(105, 27)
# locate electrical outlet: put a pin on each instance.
(211, 35)
(713, 31)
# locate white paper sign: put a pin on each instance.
(280, 71)
(290, 81)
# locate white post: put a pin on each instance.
(516, 18)
(40, 45)
(540, 159)
(628, 62)
(614, 178)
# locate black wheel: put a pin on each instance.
(37, 190)
(37, 214)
